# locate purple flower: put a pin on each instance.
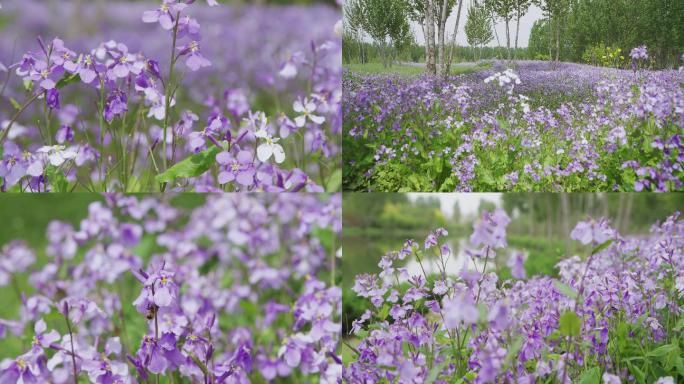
(195, 60)
(491, 229)
(609, 378)
(116, 105)
(459, 310)
(159, 290)
(592, 232)
(43, 339)
(239, 168)
(24, 369)
(164, 14)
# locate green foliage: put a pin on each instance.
(538, 44)
(192, 166)
(600, 55)
(626, 24)
(478, 26)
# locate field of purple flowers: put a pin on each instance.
(238, 289)
(614, 314)
(537, 126)
(169, 95)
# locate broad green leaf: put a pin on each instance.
(565, 289)
(591, 376)
(384, 312)
(335, 182)
(569, 323)
(208, 266)
(325, 235)
(601, 247)
(663, 350)
(68, 79)
(434, 372)
(57, 179)
(192, 166)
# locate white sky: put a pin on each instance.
(468, 202)
(526, 22)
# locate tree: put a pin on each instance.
(504, 9)
(539, 42)
(430, 34)
(521, 8)
(453, 37)
(478, 27)
(555, 10)
(353, 24)
(386, 23)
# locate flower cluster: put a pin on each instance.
(567, 128)
(231, 291)
(604, 319)
(155, 121)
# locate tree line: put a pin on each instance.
(568, 30)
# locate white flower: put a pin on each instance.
(269, 147)
(306, 107)
(57, 154)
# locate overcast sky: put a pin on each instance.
(467, 202)
(526, 22)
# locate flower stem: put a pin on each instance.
(102, 134)
(168, 87)
(16, 116)
(73, 355)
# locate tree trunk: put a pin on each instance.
(565, 209)
(508, 41)
(496, 34)
(517, 32)
(558, 39)
(550, 40)
(430, 26)
(453, 37)
(441, 32)
(422, 25)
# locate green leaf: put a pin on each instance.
(335, 182)
(192, 166)
(663, 350)
(637, 372)
(601, 247)
(199, 363)
(384, 312)
(325, 235)
(434, 372)
(565, 289)
(208, 266)
(514, 349)
(15, 103)
(57, 179)
(68, 79)
(569, 323)
(591, 376)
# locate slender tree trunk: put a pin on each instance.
(550, 40)
(422, 25)
(496, 34)
(453, 37)
(558, 40)
(565, 209)
(430, 26)
(517, 32)
(628, 212)
(441, 32)
(508, 41)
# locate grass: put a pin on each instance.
(408, 70)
